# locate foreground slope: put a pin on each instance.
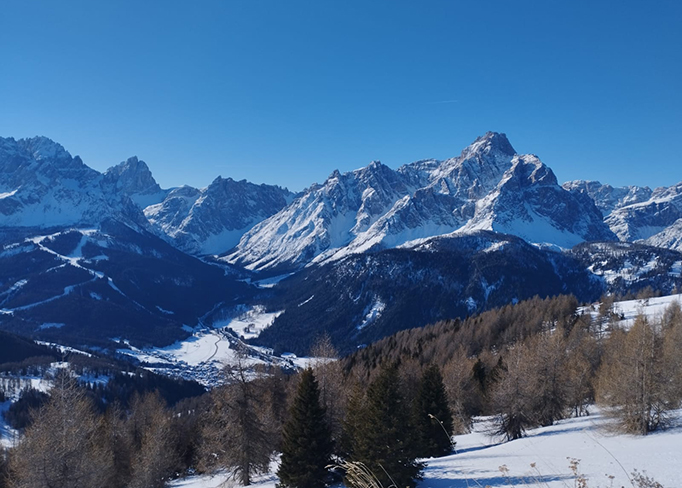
(541, 459)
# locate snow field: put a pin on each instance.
(541, 459)
(652, 308)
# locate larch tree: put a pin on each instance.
(545, 356)
(62, 446)
(329, 376)
(235, 434)
(629, 380)
(307, 443)
(152, 441)
(511, 398)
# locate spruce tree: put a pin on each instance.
(432, 415)
(383, 437)
(306, 443)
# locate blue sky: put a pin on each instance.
(287, 91)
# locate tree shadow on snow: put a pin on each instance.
(500, 481)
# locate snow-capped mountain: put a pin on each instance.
(637, 213)
(211, 220)
(649, 218)
(606, 197)
(133, 178)
(488, 187)
(42, 185)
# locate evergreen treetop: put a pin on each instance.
(306, 444)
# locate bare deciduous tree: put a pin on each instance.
(235, 436)
(62, 447)
(153, 457)
(630, 378)
(329, 376)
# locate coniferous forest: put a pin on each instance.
(386, 407)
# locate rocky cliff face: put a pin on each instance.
(211, 220)
(487, 187)
(646, 219)
(132, 177)
(42, 185)
(606, 197)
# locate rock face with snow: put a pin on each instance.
(636, 213)
(488, 187)
(42, 185)
(607, 198)
(669, 238)
(133, 178)
(213, 219)
(648, 219)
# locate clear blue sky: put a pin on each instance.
(287, 91)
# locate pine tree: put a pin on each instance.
(432, 416)
(307, 444)
(383, 437)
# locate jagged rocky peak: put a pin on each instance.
(529, 170)
(132, 176)
(21, 161)
(606, 197)
(43, 148)
(489, 144)
(478, 169)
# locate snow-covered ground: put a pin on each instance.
(250, 323)
(203, 355)
(652, 308)
(541, 459)
(601, 453)
(199, 357)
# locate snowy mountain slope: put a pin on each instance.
(362, 297)
(42, 185)
(630, 267)
(325, 217)
(607, 198)
(643, 220)
(529, 203)
(87, 286)
(211, 220)
(487, 187)
(670, 237)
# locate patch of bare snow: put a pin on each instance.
(372, 314)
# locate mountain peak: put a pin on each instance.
(132, 176)
(490, 142)
(43, 148)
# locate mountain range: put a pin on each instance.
(89, 257)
